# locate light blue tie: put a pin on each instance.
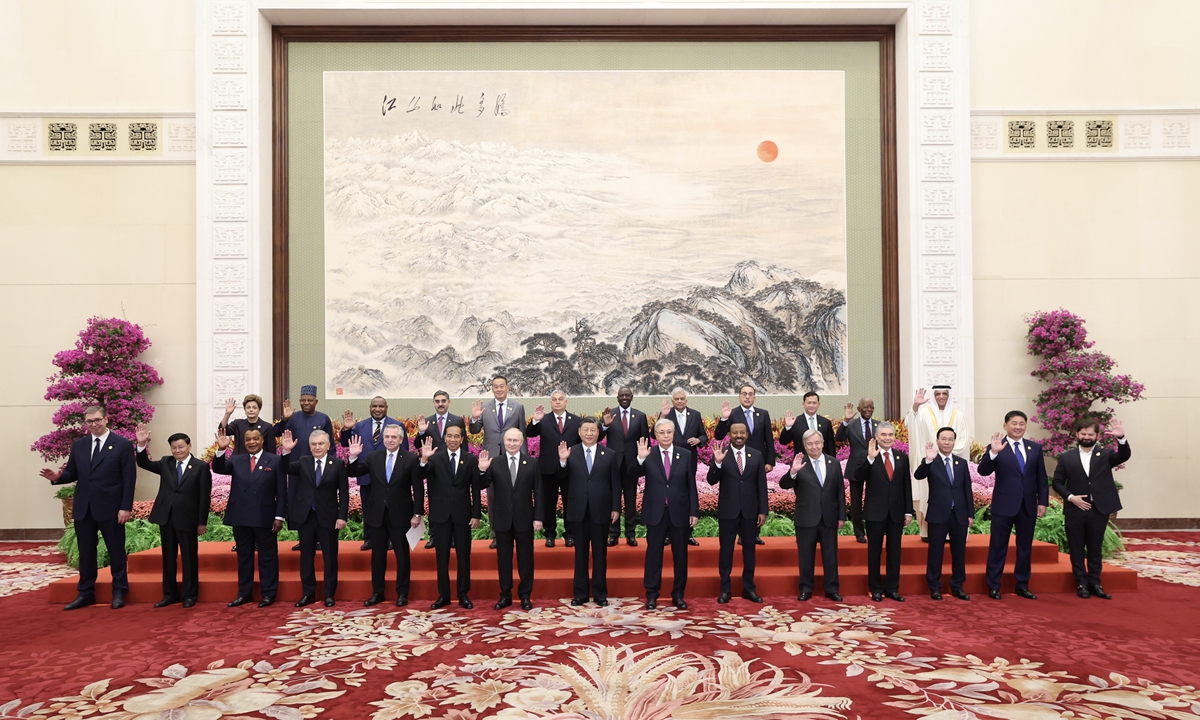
(950, 474)
(819, 469)
(390, 463)
(589, 459)
(749, 420)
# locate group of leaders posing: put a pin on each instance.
(287, 472)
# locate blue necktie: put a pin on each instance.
(178, 472)
(1020, 458)
(589, 459)
(950, 474)
(317, 474)
(390, 463)
(819, 469)
(749, 421)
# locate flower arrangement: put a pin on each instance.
(1076, 377)
(103, 369)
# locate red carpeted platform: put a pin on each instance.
(776, 574)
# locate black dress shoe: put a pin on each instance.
(80, 601)
(526, 604)
(233, 549)
(118, 602)
(631, 542)
(166, 601)
(894, 596)
(751, 596)
(504, 602)
(440, 603)
(759, 541)
(328, 602)
(238, 601)
(860, 539)
(960, 594)
(994, 594)
(612, 542)
(833, 596)
(1024, 592)
(569, 542)
(723, 598)
(305, 600)
(549, 542)
(651, 603)
(804, 596)
(924, 539)
(492, 545)
(366, 545)
(375, 599)
(401, 600)
(877, 597)
(576, 602)
(679, 603)
(189, 602)
(266, 602)
(296, 546)
(602, 603)
(429, 545)
(1099, 592)
(935, 594)
(1082, 592)
(693, 542)
(465, 602)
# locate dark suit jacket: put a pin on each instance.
(514, 506)
(236, 429)
(740, 494)
(762, 438)
(676, 494)
(626, 445)
(405, 494)
(547, 430)
(884, 499)
(815, 502)
(105, 485)
(693, 428)
(432, 431)
(255, 498)
(1069, 478)
(853, 432)
(796, 432)
(183, 504)
(601, 487)
(941, 493)
(1014, 488)
(331, 497)
(454, 495)
(365, 429)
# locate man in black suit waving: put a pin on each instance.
(514, 515)
(395, 505)
(889, 507)
(690, 435)
(454, 485)
(758, 425)
(951, 512)
(670, 508)
(434, 426)
(858, 432)
(318, 501)
(1084, 479)
(180, 511)
(554, 429)
(820, 512)
(103, 466)
(794, 428)
(622, 429)
(257, 503)
(741, 505)
(594, 475)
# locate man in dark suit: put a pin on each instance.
(594, 475)
(103, 466)
(690, 435)
(741, 475)
(494, 418)
(820, 512)
(394, 507)
(889, 507)
(810, 420)
(758, 425)
(257, 503)
(370, 431)
(670, 507)
(1083, 478)
(180, 511)
(951, 512)
(434, 426)
(1019, 498)
(858, 432)
(622, 429)
(514, 516)
(559, 427)
(454, 484)
(318, 501)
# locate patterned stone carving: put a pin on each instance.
(22, 137)
(935, 17)
(229, 240)
(229, 385)
(941, 311)
(1177, 134)
(937, 201)
(181, 137)
(229, 54)
(229, 17)
(937, 163)
(230, 315)
(1060, 134)
(937, 127)
(63, 137)
(939, 376)
(143, 136)
(937, 237)
(984, 134)
(940, 348)
(229, 129)
(935, 53)
(102, 137)
(1099, 134)
(937, 91)
(229, 166)
(229, 92)
(1021, 134)
(230, 277)
(229, 203)
(939, 274)
(1137, 134)
(229, 352)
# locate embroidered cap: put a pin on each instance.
(309, 390)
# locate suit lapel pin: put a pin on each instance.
(1097, 453)
(110, 447)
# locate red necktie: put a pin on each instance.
(625, 421)
(560, 425)
(442, 425)
(252, 463)
(887, 465)
(741, 467)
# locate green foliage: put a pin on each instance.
(65, 491)
(706, 527)
(913, 528)
(217, 531)
(484, 530)
(353, 529)
(983, 521)
(777, 526)
(139, 535)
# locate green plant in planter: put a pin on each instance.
(65, 491)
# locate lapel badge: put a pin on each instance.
(522, 462)
(601, 452)
(110, 447)
(676, 456)
(1097, 453)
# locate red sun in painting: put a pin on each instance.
(767, 151)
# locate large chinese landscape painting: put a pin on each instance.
(583, 231)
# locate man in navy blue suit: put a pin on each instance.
(951, 512)
(103, 467)
(761, 436)
(670, 508)
(370, 431)
(741, 506)
(257, 499)
(593, 473)
(558, 427)
(1019, 498)
(622, 427)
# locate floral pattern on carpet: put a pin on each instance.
(38, 551)
(20, 577)
(1174, 566)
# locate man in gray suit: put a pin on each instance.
(494, 418)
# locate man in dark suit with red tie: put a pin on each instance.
(514, 514)
(622, 429)
(889, 507)
(951, 512)
(104, 470)
(180, 511)
(554, 429)
(858, 432)
(594, 475)
(1084, 479)
(453, 486)
(1019, 498)
(670, 508)
(741, 476)
(257, 504)
(318, 501)
(820, 513)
